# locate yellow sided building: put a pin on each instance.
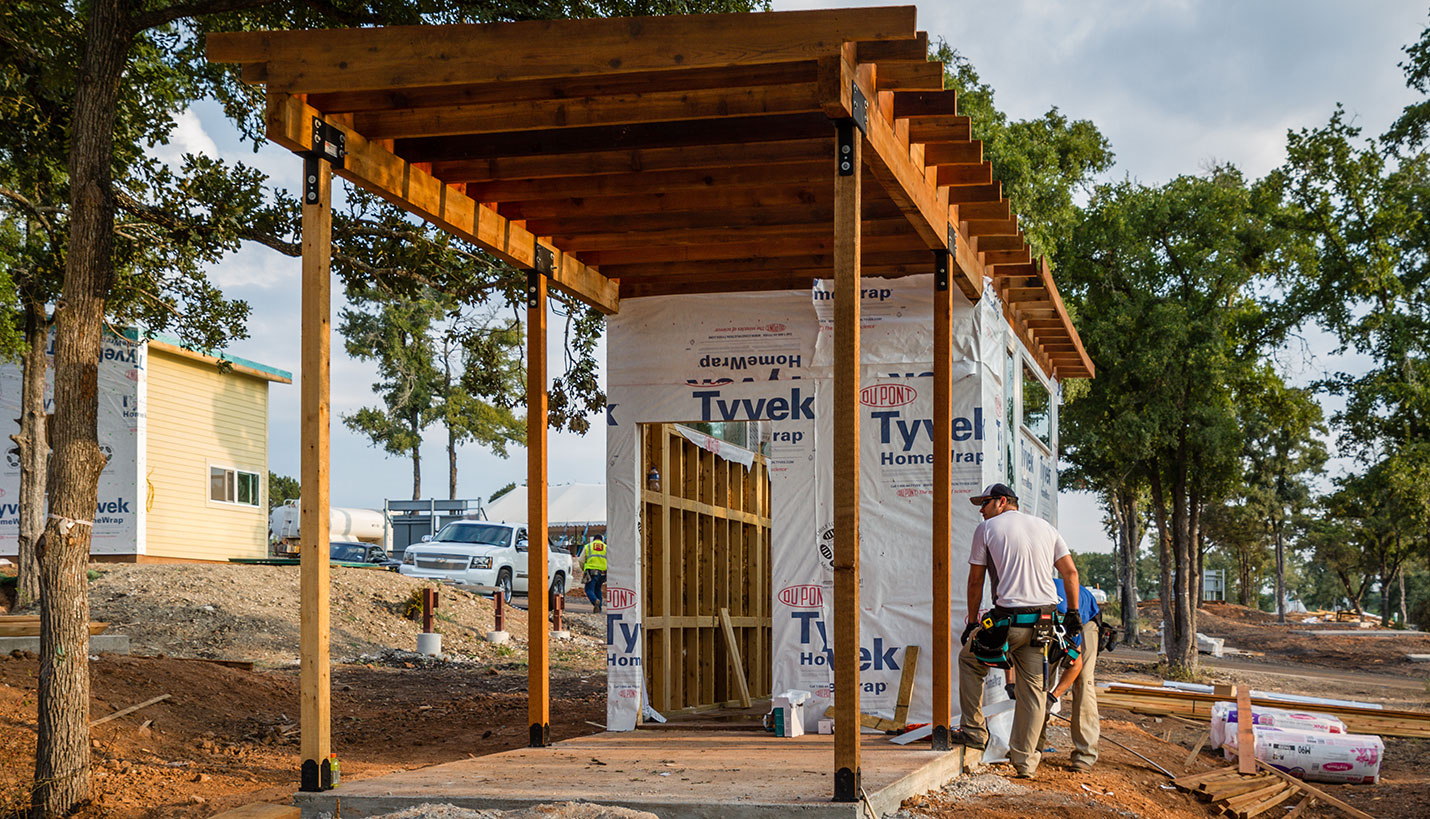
(187, 442)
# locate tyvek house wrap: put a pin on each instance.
(766, 356)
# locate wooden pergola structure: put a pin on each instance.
(620, 158)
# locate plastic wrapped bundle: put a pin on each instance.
(1224, 714)
(1317, 757)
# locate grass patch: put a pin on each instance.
(1177, 672)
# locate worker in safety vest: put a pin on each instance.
(593, 560)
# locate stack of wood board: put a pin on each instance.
(1162, 702)
(28, 625)
(1247, 795)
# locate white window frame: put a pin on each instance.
(232, 474)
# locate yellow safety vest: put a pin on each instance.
(594, 555)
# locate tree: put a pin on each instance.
(1164, 282)
(281, 488)
(1235, 529)
(1413, 126)
(1095, 570)
(120, 41)
(478, 404)
(1282, 449)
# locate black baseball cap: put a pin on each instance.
(994, 490)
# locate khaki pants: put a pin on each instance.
(1085, 719)
(1031, 707)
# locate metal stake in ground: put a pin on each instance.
(1169, 774)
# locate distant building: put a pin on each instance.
(187, 477)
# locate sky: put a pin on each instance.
(1175, 86)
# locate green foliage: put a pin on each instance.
(502, 491)
(281, 488)
(1413, 126)
(1043, 163)
(1096, 570)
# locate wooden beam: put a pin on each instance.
(991, 227)
(745, 249)
(968, 194)
(755, 236)
(418, 192)
(924, 103)
(1310, 790)
(732, 648)
(952, 153)
(940, 128)
(570, 88)
(417, 56)
(630, 160)
(847, 772)
(906, 686)
(692, 182)
(998, 210)
(980, 174)
(1245, 737)
(315, 429)
(942, 434)
(912, 76)
(1023, 255)
(1087, 370)
(625, 109)
(993, 242)
(915, 50)
(538, 662)
(773, 215)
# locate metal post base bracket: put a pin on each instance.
(540, 735)
(847, 785)
(330, 144)
(315, 776)
(940, 738)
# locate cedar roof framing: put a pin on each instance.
(622, 158)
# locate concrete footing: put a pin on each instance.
(498, 636)
(675, 774)
(98, 643)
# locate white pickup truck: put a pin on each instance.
(483, 553)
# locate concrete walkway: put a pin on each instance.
(672, 773)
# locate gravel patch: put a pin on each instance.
(967, 787)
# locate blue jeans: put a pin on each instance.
(595, 584)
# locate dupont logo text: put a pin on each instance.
(807, 596)
(618, 598)
(887, 395)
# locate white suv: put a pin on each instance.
(483, 553)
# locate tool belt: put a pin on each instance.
(990, 643)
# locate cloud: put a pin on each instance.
(188, 137)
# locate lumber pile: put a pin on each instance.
(1247, 795)
(1195, 705)
(28, 625)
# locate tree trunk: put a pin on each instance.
(1194, 528)
(62, 762)
(34, 452)
(416, 457)
(451, 435)
(1164, 553)
(1403, 618)
(1276, 532)
(1183, 644)
(1388, 571)
(1129, 531)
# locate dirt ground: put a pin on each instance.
(1375, 649)
(228, 736)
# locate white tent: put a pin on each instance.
(566, 504)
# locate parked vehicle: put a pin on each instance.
(483, 553)
(345, 524)
(356, 552)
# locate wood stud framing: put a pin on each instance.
(706, 542)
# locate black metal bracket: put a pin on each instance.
(330, 144)
(940, 270)
(540, 735)
(545, 260)
(847, 785)
(952, 238)
(844, 147)
(315, 776)
(533, 287)
(859, 107)
(940, 738)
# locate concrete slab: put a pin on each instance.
(107, 643)
(675, 774)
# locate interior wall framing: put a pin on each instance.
(705, 542)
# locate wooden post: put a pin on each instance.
(1245, 736)
(538, 669)
(315, 680)
(942, 500)
(848, 165)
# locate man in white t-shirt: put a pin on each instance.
(1021, 553)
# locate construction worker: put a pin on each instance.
(593, 561)
(1022, 552)
(1078, 660)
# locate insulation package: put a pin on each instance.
(1224, 714)
(1316, 757)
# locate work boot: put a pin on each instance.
(960, 737)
